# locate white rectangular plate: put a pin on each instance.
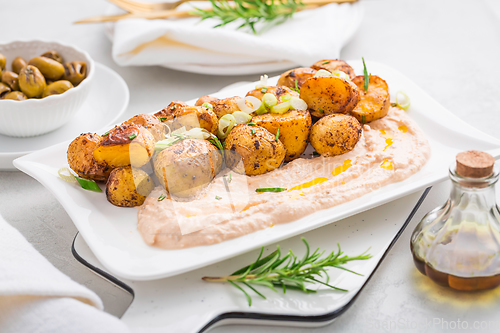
(111, 232)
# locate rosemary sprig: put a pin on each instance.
(288, 272)
(250, 12)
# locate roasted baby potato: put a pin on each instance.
(278, 91)
(375, 103)
(335, 134)
(332, 65)
(151, 123)
(128, 187)
(258, 148)
(294, 78)
(125, 145)
(225, 106)
(189, 117)
(294, 129)
(329, 94)
(205, 99)
(187, 167)
(81, 160)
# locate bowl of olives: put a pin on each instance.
(43, 84)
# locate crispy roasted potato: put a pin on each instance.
(259, 150)
(176, 116)
(375, 103)
(335, 134)
(187, 167)
(329, 94)
(294, 78)
(125, 145)
(294, 129)
(81, 160)
(278, 91)
(225, 106)
(128, 187)
(205, 99)
(151, 123)
(334, 65)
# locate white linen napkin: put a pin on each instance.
(36, 297)
(311, 35)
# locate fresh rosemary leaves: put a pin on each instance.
(288, 272)
(251, 12)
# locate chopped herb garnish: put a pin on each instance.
(207, 106)
(161, 197)
(321, 110)
(296, 89)
(263, 90)
(363, 119)
(270, 189)
(277, 135)
(288, 272)
(253, 131)
(325, 62)
(217, 197)
(367, 77)
(132, 136)
(394, 105)
(251, 124)
(106, 134)
(173, 107)
(162, 118)
(88, 184)
(230, 178)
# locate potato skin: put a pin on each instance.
(278, 91)
(225, 106)
(81, 160)
(375, 103)
(120, 148)
(329, 94)
(187, 167)
(300, 75)
(177, 115)
(260, 152)
(335, 134)
(151, 123)
(205, 99)
(128, 187)
(334, 65)
(294, 129)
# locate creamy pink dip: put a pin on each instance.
(390, 150)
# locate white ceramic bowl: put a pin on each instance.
(33, 117)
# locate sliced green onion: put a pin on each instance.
(263, 90)
(269, 100)
(263, 82)
(262, 109)
(251, 123)
(197, 133)
(402, 100)
(286, 97)
(69, 179)
(270, 189)
(253, 101)
(241, 117)
(106, 134)
(253, 131)
(363, 119)
(159, 118)
(163, 144)
(226, 124)
(367, 77)
(325, 62)
(132, 136)
(207, 105)
(278, 135)
(297, 89)
(88, 184)
(298, 103)
(322, 72)
(281, 108)
(173, 107)
(341, 75)
(217, 197)
(161, 197)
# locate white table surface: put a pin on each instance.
(450, 48)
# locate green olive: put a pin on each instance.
(3, 61)
(31, 81)
(50, 68)
(57, 88)
(17, 64)
(75, 72)
(4, 89)
(11, 79)
(54, 55)
(16, 96)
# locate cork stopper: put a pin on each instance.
(474, 164)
